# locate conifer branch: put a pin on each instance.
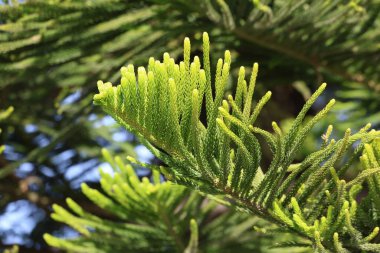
(151, 215)
(196, 152)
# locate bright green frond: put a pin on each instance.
(219, 153)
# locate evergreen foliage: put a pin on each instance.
(14, 249)
(42, 41)
(370, 205)
(156, 216)
(3, 115)
(52, 51)
(221, 156)
(333, 29)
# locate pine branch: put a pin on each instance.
(222, 155)
(151, 215)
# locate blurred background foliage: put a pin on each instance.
(52, 52)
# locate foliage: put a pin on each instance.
(91, 40)
(370, 205)
(332, 29)
(222, 155)
(52, 52)
(3, 115)
(156, 216)
(14, 249)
